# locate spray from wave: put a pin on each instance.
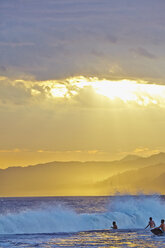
(128, 212)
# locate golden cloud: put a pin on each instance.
(83, 91)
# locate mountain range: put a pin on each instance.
(131, 175)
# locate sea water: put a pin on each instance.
(80, 221)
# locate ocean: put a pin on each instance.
(80, 221)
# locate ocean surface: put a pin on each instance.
(80, 221)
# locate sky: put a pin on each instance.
(81, 80)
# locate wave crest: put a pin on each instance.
(127, 211)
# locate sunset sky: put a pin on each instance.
(81, 80)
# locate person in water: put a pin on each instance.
(151, 223)
(162, 226)
(114, 226)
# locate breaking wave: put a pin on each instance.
(128, 212)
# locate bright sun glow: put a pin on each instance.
(141, 93)
(125, 90)
(59, 91)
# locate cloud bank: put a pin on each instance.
(59, 39)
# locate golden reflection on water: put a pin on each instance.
(106, 239)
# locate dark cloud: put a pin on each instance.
(111, 38)
(57, 39)
(144, 53)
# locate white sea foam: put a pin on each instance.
(128, 212)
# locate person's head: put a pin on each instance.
(114, 223)
(162, 221)
(150, 218)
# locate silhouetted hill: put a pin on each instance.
(130, 158)
(138, 162)
(132, 173)
(147, 179)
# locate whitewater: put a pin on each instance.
(80, 221)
